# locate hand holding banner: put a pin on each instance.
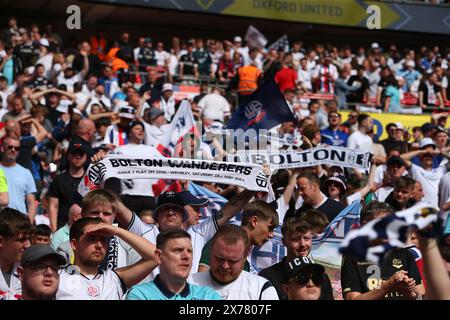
(249, 176)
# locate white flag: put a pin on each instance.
(182, 123)
(255, 38)
(282, 43)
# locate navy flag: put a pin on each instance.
(264, 109)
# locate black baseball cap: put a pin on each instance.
(299, 264)
(171, 199)
(427, 127)
(134, 123)
(191, 200)
(38, 251)
(76, 148)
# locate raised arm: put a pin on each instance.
(234, 206)
(138, 271)
(435, 273)
(409, 155)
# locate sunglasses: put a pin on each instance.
(303, 278)
(12, 148)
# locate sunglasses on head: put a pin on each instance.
(303, 278)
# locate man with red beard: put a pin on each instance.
(229, 251)
(297, 238)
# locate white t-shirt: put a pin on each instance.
(138, 187)
(305, 77)
(14, 290)
(444, 189)
(246, 287)
(430, 182)
(214, 106)
(361, 142)
(47, 61)
(105, 285)
(382, 193)
(161, 57)
(69, 82)
(153, 134)
(200, 234)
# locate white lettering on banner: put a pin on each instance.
(317, 156)
(246, 175)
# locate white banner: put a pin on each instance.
(255, 38)
(246, 175)
(328, 155)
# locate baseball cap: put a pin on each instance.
(126, 112)
(146, 40)
(339, 179)
(167, 87)
(191, 200)
(395, 160)
(38, 251)
(171, 199)
(426, 127)
(154, 113)
(375, 45)
(299, 264)
(237, 39)
(426, 142)
(76, 148)
(135, 123)
(400, 125)
(44, 42)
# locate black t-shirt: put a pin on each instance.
(424, 88)
(188, 62)
(94, 64)
(331, 208)
(25, 52)
(276, 273)
(27, 144)
(40, 83)
(358, 275)
(154, 88)
(357, 95)
(146, 57)
(64, 187)
(53, 115)
(390, 144)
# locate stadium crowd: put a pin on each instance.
(64, 108)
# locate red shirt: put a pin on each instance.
(286, 78)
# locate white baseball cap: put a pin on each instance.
(44, 42)
(400, 125)
(425, 142)
(167, 87)
(375, 45)
(237, 39)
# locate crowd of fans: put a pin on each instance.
(64, 108)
